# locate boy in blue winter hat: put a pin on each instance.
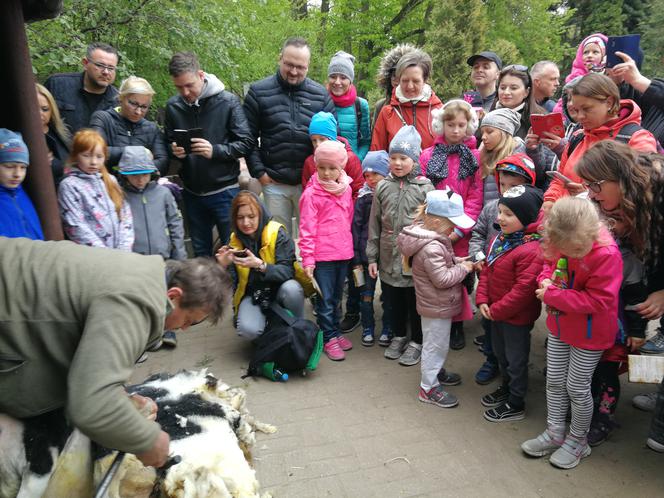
(18, 217)
(158, 226)
(375, 167)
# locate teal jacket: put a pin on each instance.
(348, 127)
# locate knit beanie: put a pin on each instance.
(504, 119)
(519, 164)
(342, 63)
(332, 153)
(376, 161)
(525, 201)
(136, 160)
(325, 124)
(13, 148)
(408, 142)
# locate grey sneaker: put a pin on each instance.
(396, 347)
(542, 445)
(570, 453)
(645, 402)
(654, 345)
(412, 355)
(655, 445)
(437, 396)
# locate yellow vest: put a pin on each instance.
(267, 253)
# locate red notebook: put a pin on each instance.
(552, 123)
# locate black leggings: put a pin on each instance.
(404, 310)
(605, 388)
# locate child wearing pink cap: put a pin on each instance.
(326, 241)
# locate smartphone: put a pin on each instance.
(183, 137)
(240, 254)
(476, 258)
(559, 175)
(628, 44)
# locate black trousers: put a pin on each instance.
(511, 345)
(404, 311)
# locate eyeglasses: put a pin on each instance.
(516, 67)
(103, 67)
(594, 186)
(290, 67)
(137, 106)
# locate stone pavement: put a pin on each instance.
(355, 429)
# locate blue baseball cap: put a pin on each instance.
(448, 204)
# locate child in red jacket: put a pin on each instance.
(506, 296)
(580, 286)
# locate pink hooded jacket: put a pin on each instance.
(325, 224)
(588, 316)
(471, 189)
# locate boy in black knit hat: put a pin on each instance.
(506, 296)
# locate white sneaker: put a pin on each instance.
(645, 402)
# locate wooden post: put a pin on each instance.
(21, 113)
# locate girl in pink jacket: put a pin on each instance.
(454, 162)
(438, 277)
(580, 287)
(326, 241)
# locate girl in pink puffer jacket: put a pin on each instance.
(326, 241)
(438, 278)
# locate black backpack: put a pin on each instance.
(292, 344)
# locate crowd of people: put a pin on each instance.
(434, 201)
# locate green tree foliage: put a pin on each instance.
(652, 41)
(636, 12)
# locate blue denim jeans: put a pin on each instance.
(366, 293)
(203, 212)
(353, 299)
(330, 276)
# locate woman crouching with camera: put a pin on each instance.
(260, 258)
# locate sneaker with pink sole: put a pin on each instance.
(333, 350)
(345, 343)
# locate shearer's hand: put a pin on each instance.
(146, 406)
(158, 454)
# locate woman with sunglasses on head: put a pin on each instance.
(628, 188)
(515, 92)
(602, 116)
(126, 125)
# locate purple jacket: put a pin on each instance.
(88, 213)
(437, 278)
(325, 225)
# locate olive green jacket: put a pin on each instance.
(394, 206)
(73, 321)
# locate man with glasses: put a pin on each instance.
(216, 137)
(546, 80)
(279, 109)
(78, 95)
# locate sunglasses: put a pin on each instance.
(517, 67)
(594, 186)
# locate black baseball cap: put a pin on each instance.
(492, 56)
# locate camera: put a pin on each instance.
(262, 298)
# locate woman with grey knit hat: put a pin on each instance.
(352, 111)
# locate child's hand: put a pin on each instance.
(545, 283)
(486, 312)
(224, 256)
(468, 265)
(309, 271)
(479, 266)
(634, 343)
(539, 293)
(373, 270)
(653, 307)
(532, 140)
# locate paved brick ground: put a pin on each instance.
(356, 429)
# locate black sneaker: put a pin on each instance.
(504, 413)
(350, 321)
(496, 398)
(448, 378)
(457, 338)
(479, 340)
(600, 430)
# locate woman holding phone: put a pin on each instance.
(261, 259)
(602, 116)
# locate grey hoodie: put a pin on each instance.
(437, 277)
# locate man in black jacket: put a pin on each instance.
(210, 169)
(78, 95)
(279, 109)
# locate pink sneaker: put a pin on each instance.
(344, 343)
(333, 350)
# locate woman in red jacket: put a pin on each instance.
(603, 116)
(411, 103)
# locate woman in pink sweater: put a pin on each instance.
(453, 162)
(580, 285)
(326, 241)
